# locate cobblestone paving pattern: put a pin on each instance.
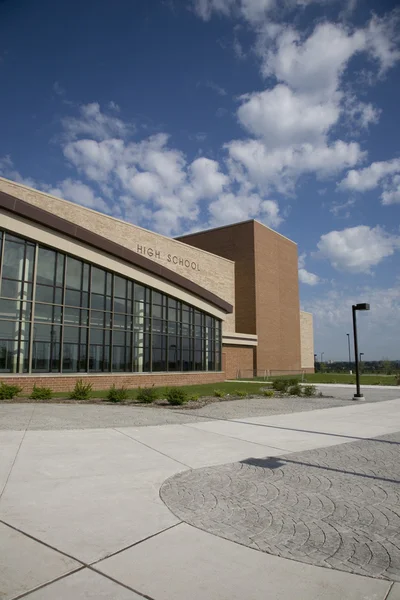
(336, 507)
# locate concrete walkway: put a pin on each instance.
(81, 516)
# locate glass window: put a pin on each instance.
(150, 330)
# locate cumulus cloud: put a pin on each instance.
(385, 174)
(305, 276)
(78, 192)
(283, 117)
(94, 123)
(357, 249)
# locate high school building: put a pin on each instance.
(85, 295)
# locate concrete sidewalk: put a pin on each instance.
(81, 515)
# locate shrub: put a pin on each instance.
(40, 393)
(7, 392)
(81, 391)
(293, 381)
(115, 394)
(194, 397)
(295, 390)
(176, 396)
(219, 393)
(280, 385)
(240, 393)
(268, 393)
(309, 391)
(147, 395)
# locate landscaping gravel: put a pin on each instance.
(44, 416)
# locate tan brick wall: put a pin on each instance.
(307, 341)
(214, 272)
(235, 243)
(65, 383)
(267, 289)
(277, 300)
(238, 360)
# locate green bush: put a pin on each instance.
(176, 396)
(219, 393)
(293, 381)
(240, 393)
(40, 393)
(147, 395)
(7, 392)
(281, 385)
(268, 393)
(81, 391)
(115, 394)
(309, 391)
(295, 390)
(194, 397)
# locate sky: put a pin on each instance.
(181, 115)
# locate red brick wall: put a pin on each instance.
(238, 358)
(65, 383)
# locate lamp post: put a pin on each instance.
(358, 395)
(348, 343)
(315, 362)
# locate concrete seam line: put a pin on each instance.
(124, 585)
(43, 585)
(16, 454)
(231, 437)
(151, 448)
(35, 539)
(149, 537)
(388, 592)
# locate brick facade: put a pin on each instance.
(266, 288)
(238, 361)
(65, 383)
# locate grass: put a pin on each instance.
(337, 378)
(207, 389)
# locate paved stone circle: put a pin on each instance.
(337, 507)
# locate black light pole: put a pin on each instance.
(348, 342)
(358, 395)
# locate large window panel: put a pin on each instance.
(89, 319)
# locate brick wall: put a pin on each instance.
(238, 358)
(277, 301)
(65, 383)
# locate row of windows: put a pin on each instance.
(60, 314)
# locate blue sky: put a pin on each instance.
(179, 115)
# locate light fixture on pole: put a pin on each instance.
(348, 343)
(358, 395)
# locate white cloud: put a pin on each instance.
(357, 249)
(206, 178)
(7, 170)
(215, 87)
(252, 10)
(284, 118)
(391, 195)
(370, 177)
(93, 123)
(382, 38)
(231, 208)
(78, 192)
(305, 276)
(314, 65)
(95, 159)
(280, 168)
